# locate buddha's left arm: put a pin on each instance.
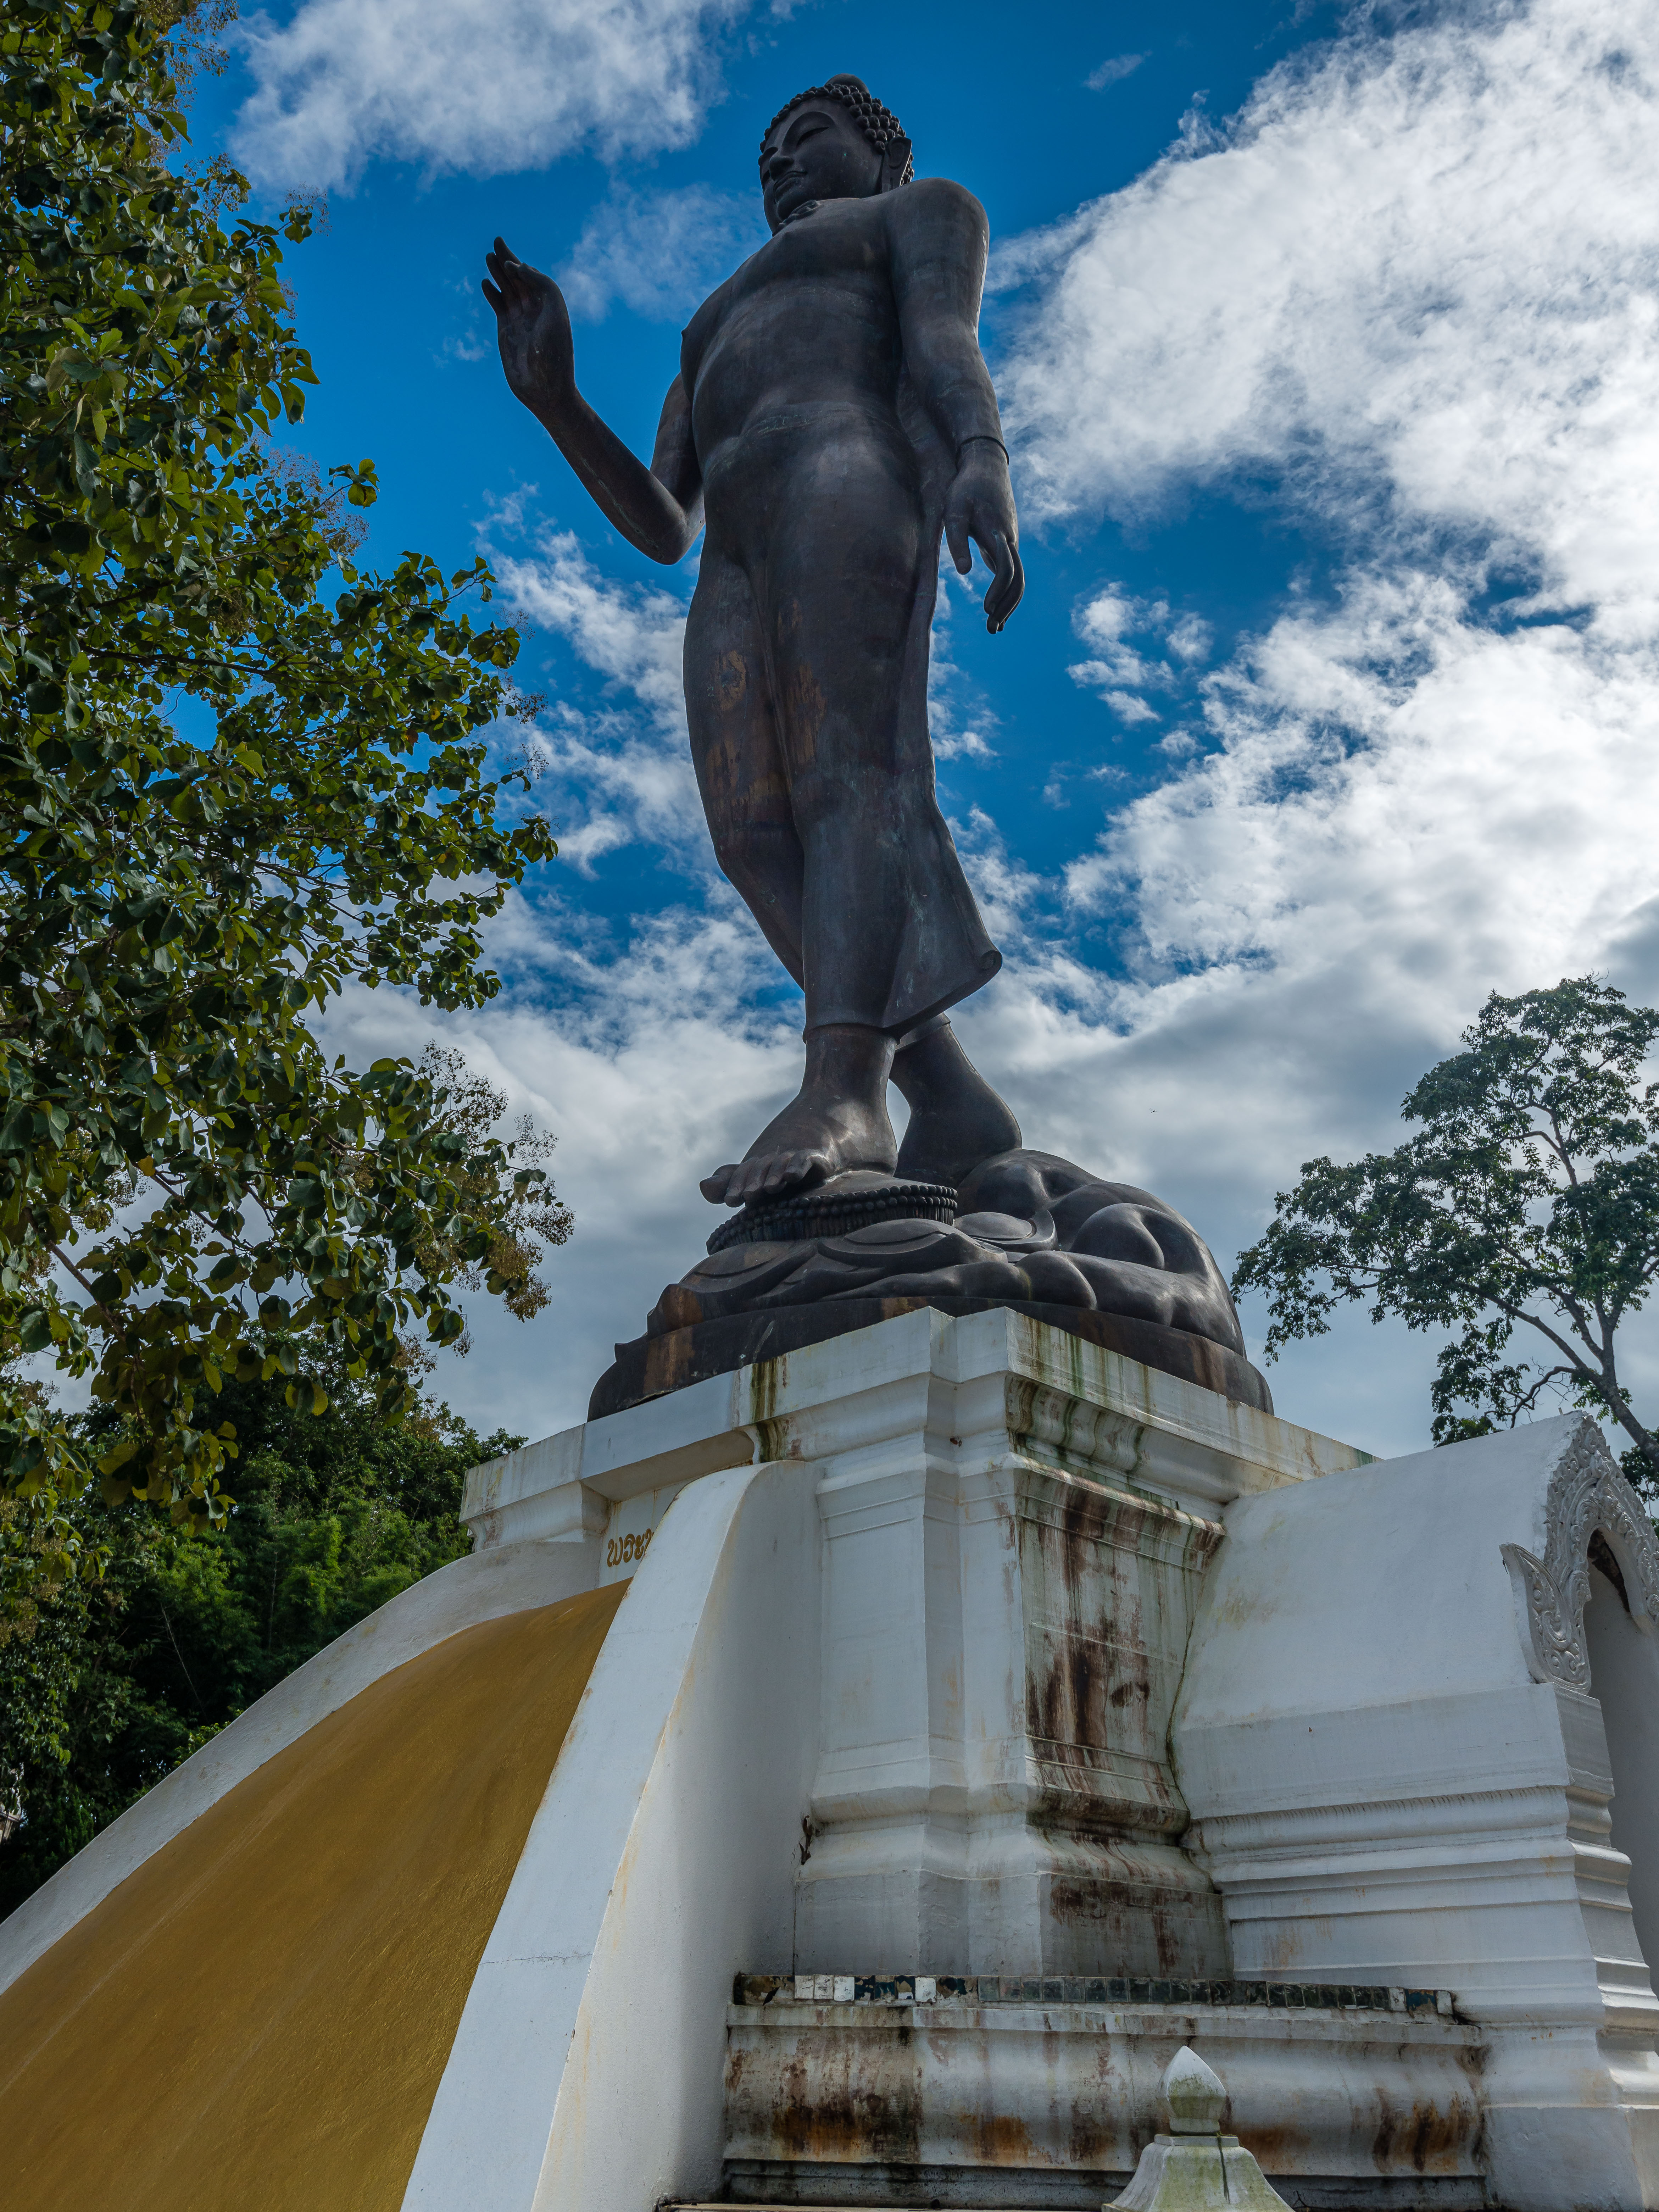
(938, 239)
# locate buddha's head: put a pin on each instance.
(832, 142)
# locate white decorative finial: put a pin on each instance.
(1195, 2093)
(1195, 2168)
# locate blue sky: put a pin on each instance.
(1326, 342)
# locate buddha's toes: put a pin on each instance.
(810, 1141)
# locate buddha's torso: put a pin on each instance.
(810, 321)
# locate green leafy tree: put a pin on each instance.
(1528, 1202)
(107, 1685)
(228, 785)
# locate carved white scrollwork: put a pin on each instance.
(1587, 1494)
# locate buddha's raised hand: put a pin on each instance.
(533, 326)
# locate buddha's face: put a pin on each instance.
(817, 152)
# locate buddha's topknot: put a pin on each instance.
(879, 124)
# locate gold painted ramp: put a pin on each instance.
(257, 2019)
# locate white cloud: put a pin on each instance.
(660, 253)
(961, 744)
(1431, 253)
(1124, 704)
(479, 85)
(1415, 286)
(627, 765)
(1115, 669)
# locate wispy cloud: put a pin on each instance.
(635, 638)
(1113, 71)
(481, 85)
(660, 253)
(1120, 670)
(621, 773)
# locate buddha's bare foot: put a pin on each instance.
(957, 1120)
(837, 1120)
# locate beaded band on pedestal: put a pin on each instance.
(793, 1220)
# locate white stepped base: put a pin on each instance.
(959, 1650)
(1015, 2104)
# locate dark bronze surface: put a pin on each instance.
(831, 417)
(835, 1209)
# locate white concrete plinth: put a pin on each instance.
(958, 1650)
(1015, 1528)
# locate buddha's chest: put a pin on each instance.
(823, 284)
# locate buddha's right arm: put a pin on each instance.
(659, 509)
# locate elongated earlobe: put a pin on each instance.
(896, 167)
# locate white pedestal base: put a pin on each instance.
(960, 1648)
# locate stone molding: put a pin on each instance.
(1373, 1823)
(1587, 1494)
(925, 1990)
(968, 1384)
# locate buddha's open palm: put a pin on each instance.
(533, 326)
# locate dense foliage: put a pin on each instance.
(235, 773)
(104, 1686)
(1529, 1201)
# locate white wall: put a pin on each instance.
(587, 2068)
(1398, 1775)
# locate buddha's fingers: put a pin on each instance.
(1007, 586)
(956, 537)
(510, 272)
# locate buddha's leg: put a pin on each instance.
(887, 922)
(734, 750)
(829, 533)
(839, 593)
(956, 1120)
(839, 1119)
